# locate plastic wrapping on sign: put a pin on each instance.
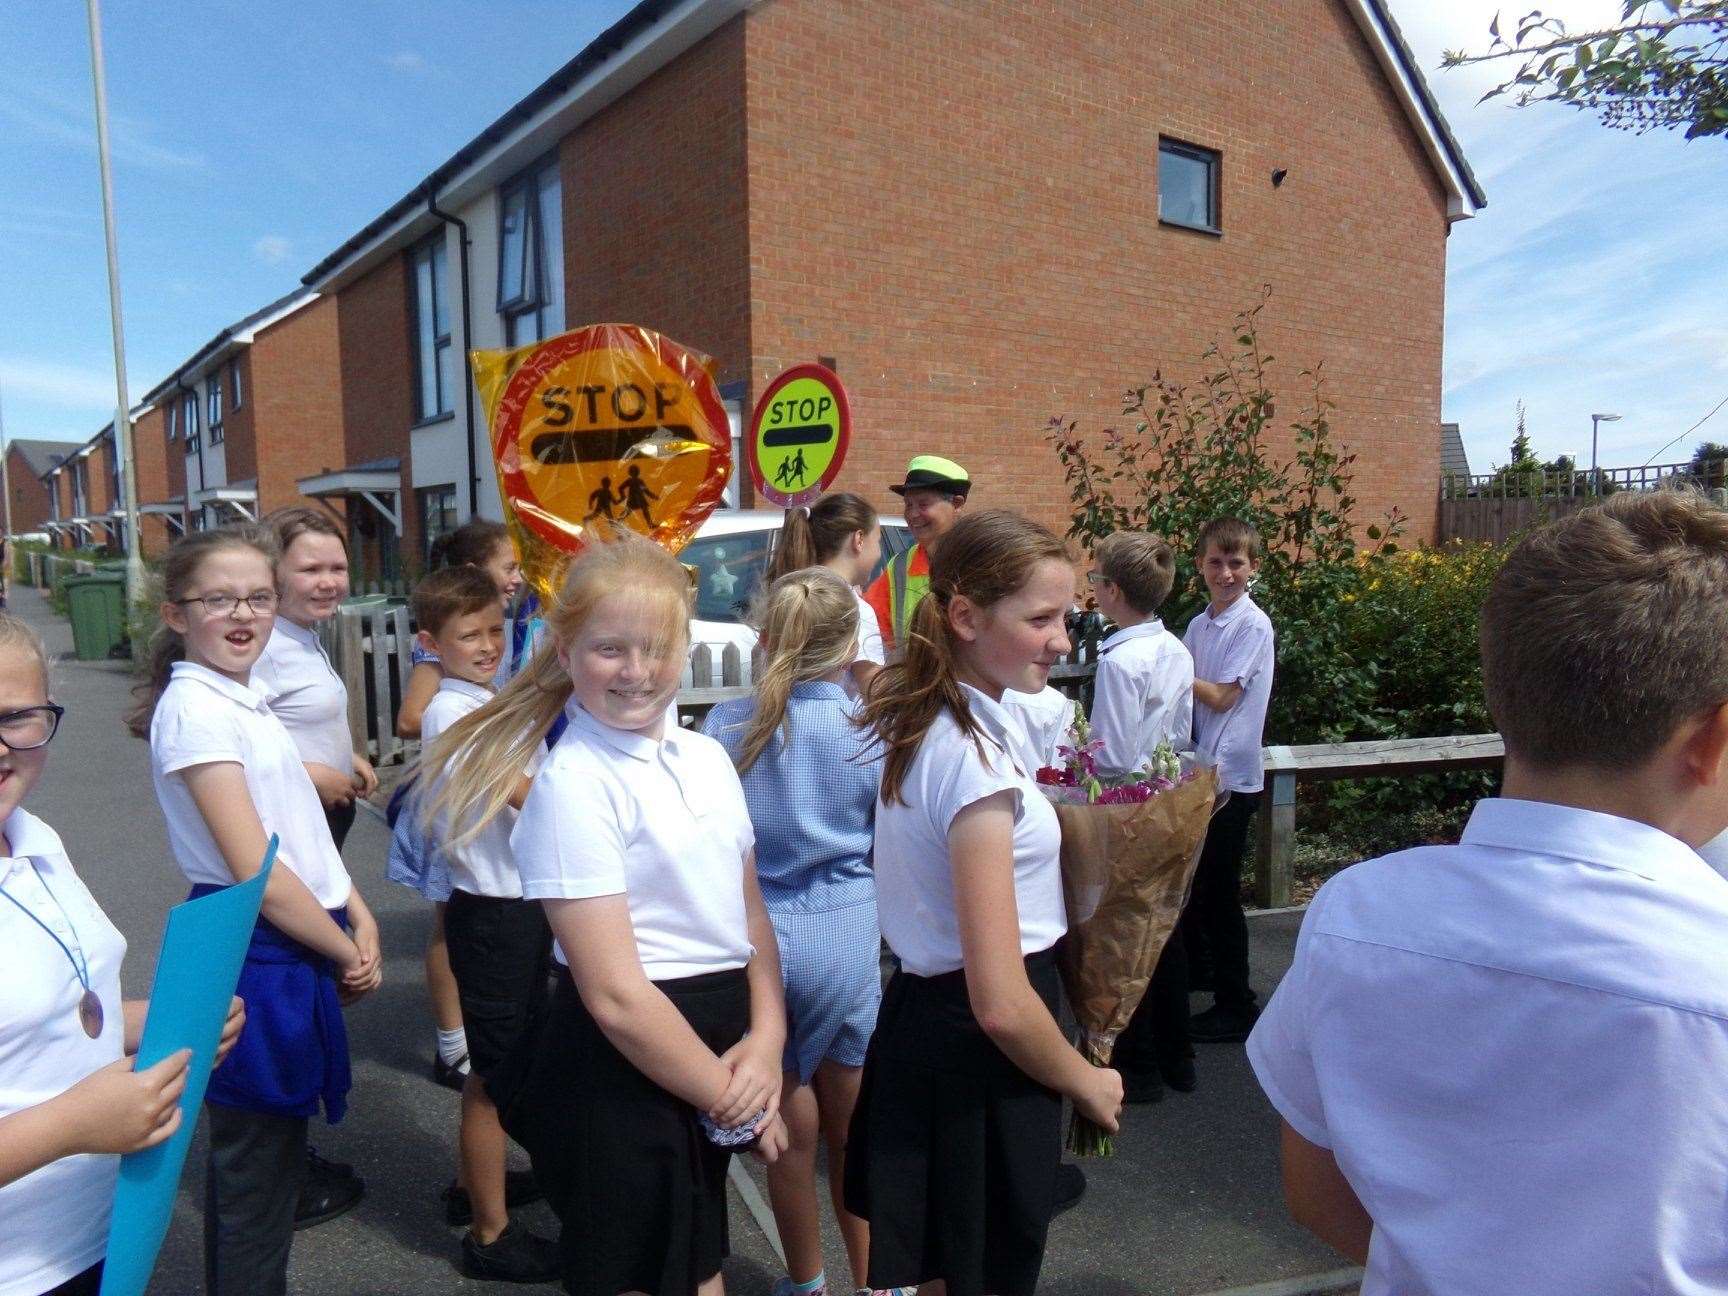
(603, 427)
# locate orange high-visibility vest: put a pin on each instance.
(896, 593)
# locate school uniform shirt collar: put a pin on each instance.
(818, 689)
(298, 633)
(1141, 631)
(234, 690)
(465, 688)
(1543, 828)
(1230, 613)
(999, 724)
(624, 741)
(30, 839)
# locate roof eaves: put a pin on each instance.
(282, 305)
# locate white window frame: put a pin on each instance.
(531, 255)
(431, 330)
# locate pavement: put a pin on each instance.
(1189, 1206)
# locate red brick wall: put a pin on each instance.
(29, 494)
(291, 424)
(377, 366)
(958, 201)
(61, 484)
(151, 456)
(239, 426)
(655, 217)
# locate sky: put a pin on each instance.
(249, 141)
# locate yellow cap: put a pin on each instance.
(932, 472)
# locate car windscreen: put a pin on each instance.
(729, 568)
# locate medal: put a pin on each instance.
(89, 1003)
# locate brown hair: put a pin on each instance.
(469, 545)
(453, 592)
(809, 629)
(179, 573)
(984, 558)
(1606, 630)
(287, 525)
(476, 762)
(1142, 566)
(1228, 535)
(814, 535)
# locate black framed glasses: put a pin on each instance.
(30, 728)
(1098, 578)
(220, 605)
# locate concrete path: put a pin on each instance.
(1189, 1205)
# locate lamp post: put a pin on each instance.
(1596, 420)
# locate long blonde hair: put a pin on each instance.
(475, 764)
(809, 629)
(986, 557)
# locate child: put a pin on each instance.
(1232, 645)
(71, 1101)
(954, 1146)
(1143, 696)
(228, 776)
(663, 1042)
(842, 533)
(1047, 719)
(295, 675)
(811, 789)
(483, 544)
(500, 946)
(1499, 1063)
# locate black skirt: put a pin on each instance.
(953, 1150)
(640, 1192)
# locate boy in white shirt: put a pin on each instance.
(1231, 642)
(1143, 695)
(1500, 1063)
(500, 945)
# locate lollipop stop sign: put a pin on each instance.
(798, 437)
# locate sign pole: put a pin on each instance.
(122, 413)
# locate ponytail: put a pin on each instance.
(809, 629)
(814, 535)
(180, 573)
(469, 545)
(795, 549)
(984, 558)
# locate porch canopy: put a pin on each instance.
(378, 483)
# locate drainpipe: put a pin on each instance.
(180, 382)
(467, 345)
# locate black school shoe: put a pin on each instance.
(331, 1189)
(520, 1189)
(452, 1075)
(1222, 1025)
(514, 1256)
(1142, 1087)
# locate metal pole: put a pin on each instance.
(122, 414)
(6, 485)
(1595, 423)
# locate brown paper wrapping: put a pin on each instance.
(1126, 870)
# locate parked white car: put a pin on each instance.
(730, 553)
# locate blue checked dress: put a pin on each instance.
(813, 804)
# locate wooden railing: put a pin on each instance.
(1396, 757)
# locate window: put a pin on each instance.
(531, 255)
(173, 422)
(80, 487)
(437, 516)
(234, 383)
(431, 331)
(189, 421)
(1188, 186)
(215, 419)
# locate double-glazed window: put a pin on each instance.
(215, 419)
(189, 421)
(234, 383)
(1188, 186)
(531, 255)
(437, 516)
(433, 381)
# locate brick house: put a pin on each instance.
(30, 504)
(230, 432)
(983, 215)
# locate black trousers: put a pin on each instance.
(257, 1164)
(1159, 1028)
(341, 819)
(1213, 925)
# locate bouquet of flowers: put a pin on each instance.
(1129, 848)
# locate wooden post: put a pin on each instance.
(1277, 831)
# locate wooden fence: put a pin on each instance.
(1497, 506)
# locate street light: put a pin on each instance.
(1596, 420)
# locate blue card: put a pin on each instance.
(202, 950)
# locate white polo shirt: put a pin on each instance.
(914, 881)
(54, 1222)
(870, 646)
(1047, 720)
(485, 865)
(203, 718)
(1517, 1050)
(295, 677)
(662, 823)
(1234, 647)
(1142, 695)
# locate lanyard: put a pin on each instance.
(79, 963)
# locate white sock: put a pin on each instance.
(453, 1048)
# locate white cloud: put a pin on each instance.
(47, 117)
(406, 61)
(64, 386)
(273, 249)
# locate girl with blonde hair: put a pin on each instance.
(957, 1133)
(661, 1050)
(811, 787)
